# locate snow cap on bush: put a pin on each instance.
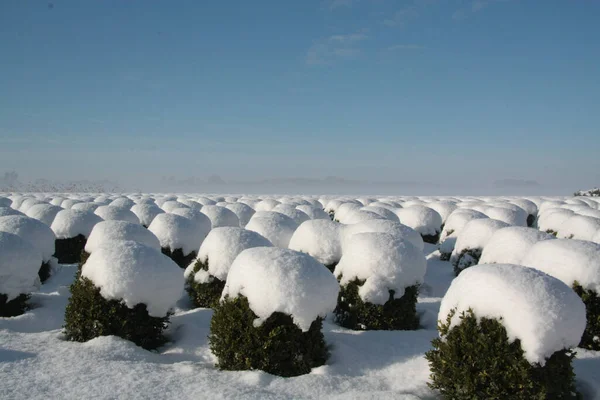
(116, 214)
(422, 219)
(177, 232)
(579, 227)
(6, 211)
(385, 262)
(476, 233)
(19, 265)
(383, 226)
(136, 274)
(569, 260)
(221, 216)
(146, 212)
(511, 217)
(541, 311)
(243, 211)
(319, 238)
(38, 234)
(266, 205)
(274, 226)
(108, 231)
(383, 212)
(70, 223)
(122, 202)
(313, 212)
(457, 220)
(509, 245)
(222, 246)
(85, 206)
(291, 211)
(282, 280)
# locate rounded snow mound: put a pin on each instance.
(195, 215)
(579, 227)
(5, 202)
(422, 219)
(382, 226)
(70, 223)
(509, 245)
(511, 217)
(552, 219)
(177, 232)
(136, 274)
(291, 211)
(221, 247)
(146, 212)
(19, 265)
(569, 260)
(221, 216)
(282, 280)
(444, 208)
(319, 238)
(35, 232)
(266, 205)
(243, 211)
(475, 235)
(122, 202)
(529, 206)
(385, 262)
(110, 213)
(6, 211)
(170, 205)
(68, 203)
(383, 212)
(457, 220)
(539, 310)
(357, 215)
(85, 206)
(44, 213)
(313, 212)
(276, 227)
(344, 209)
(109, 231)
(27, 204)
(332, 205)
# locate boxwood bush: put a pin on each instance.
(45, 271)
(68, 251)
(277, 346)
(475, 360)
(177, 255)
(204, 294)
(432, 239)
(15, 307)
(591, 336)
(396, 314)
(467, 258)
(89, 315)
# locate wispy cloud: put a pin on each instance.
(328, 50)
(399, 47)
(400, 17)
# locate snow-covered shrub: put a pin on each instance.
(5, 202)
(291, 211)
(530, 208)
(579, 227)
(511, 217)
(43, 212)
(270, 315)
(331, 207)
(276, 227)
(122, 202)
(28, 203)
(454, 224)
(179, 237)
(6, 211)
(221, 216)
(356, 216)
(111, 213)
(72, 228)
(491, 348)
(146, 212)
(383, 212)
(313, 212)
(207, 275)
(424, 220)
(471, 241)
(266, 205)
(509, 245)
(444, 208)
(382, 226)
(551, 220)
(577, 264)
(319, 238)
(68, 203)
(125, 289)
(170, 205)
(38, 234)
(379, 276)
(86, 206)
(19, 266)
(243, 211)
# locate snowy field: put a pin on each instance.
(36, 360)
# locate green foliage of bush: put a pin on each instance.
(277, 346)
(475, 360)
(331, 266)
(177, 255)
(396, 314)
(530, 220)
(68, 251)
(445, 256)
(89, 315)
(467, 258)
(15, 307)
(433, 239)
(45, 271)
(591, 336)
(205, 295)
(551, 232)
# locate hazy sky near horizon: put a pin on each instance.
(432, 91)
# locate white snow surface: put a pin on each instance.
(313, 212)
(384, 261)
(221, 216)
(222, 246)
(457, 220)
(569, 260)
(243, 211)
(86, 206)
(146, 212)
(319, 238)
(579, 227)
(38, 234)
(122, 202)
(174, 232)
(382, 226)
(44, 213)
(70, 223)
(19, 265)
(283, 280)
(274, 226)
(136, 274)
(109, 231)
(539, 310)
(509, 245)
(476, 234)
(291, 211)
(5, 211)
(422, 219)
(511, 217)
(116, 214)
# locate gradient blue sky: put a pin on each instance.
(437, 91)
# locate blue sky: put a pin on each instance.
(442, 92)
